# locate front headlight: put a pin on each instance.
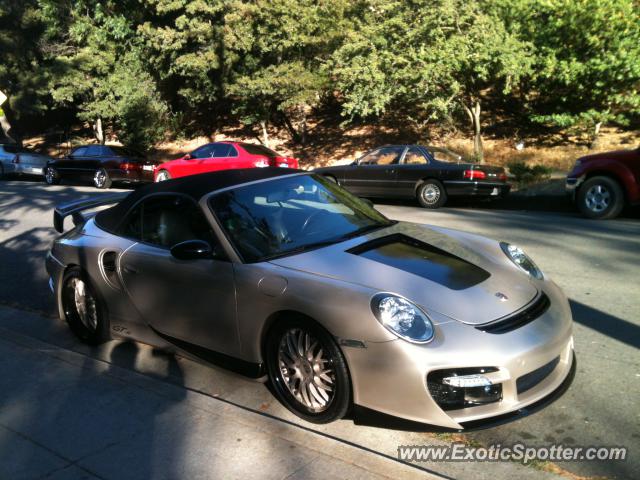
(402, 318)
(521, 260)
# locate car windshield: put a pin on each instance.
(289, 215)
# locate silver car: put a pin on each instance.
(283, 275)
(21, 161)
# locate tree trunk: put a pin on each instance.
(596, 136)
(473, 113)
(97, 129)
(6, 127)
(292, 130)
(265, 134)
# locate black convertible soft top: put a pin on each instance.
(194, 186)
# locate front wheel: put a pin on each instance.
(431, 194)
(600, 198)
(101, 179)
(307, 371)
(51, 176)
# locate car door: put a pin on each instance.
(375, 173)
(190, 301)
(416, 165)
(71, 165)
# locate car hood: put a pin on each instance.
(466, 286)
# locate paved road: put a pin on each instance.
(595, 262)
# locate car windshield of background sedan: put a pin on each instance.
(253, 149)
(281, 217)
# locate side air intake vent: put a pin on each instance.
(109, 269)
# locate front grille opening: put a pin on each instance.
(531, 379)
(516, 320)
(450, 397)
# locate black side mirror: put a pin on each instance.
(192, 250)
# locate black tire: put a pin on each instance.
(92, 327)
(101, 179)
(600, 198)
(163, 175)
(332, 365)
(51, 176)
(431, 194)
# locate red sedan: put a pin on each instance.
(222, 156)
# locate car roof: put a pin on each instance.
(193, 186)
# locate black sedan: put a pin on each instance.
(100, 164)
(412, 171)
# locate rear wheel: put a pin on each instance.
(600, 197)
(101, 179)
(51, 176)
(162, 176)
(307, 371)
(82, 308)
(431, 194)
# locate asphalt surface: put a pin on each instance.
(596, 263)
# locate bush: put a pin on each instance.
(525, 174)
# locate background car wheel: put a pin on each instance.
(83, 310)
(431, 194)
(162, 176)
(600, 197)
(51, 176)
(101, 179)
(307, 371)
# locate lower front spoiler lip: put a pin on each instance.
(366, 416)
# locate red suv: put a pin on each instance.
(222, 156)
(603, 183)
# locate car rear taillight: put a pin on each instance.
(474, 174)
(502, 177)
(130, 166)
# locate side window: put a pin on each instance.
(132, 226)
(202, 152)
(167, 220)
(79, 152)
(220, 150)
(415, 156)
(383, 156)
(445, 156)
(233, 152)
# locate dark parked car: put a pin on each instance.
(101, 164)
(601, 184)
(411, 171)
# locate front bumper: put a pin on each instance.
(26, 169)
(476, 189)
(391, 377)
(572, 184)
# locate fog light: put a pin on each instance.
(467, 381)
(464, 387)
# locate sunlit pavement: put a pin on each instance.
(594, 262)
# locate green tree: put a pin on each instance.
(424, 60)
(274, 59)
(97, 67)
(587, 60)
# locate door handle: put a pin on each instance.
(130, 269)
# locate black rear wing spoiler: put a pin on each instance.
(76, 208)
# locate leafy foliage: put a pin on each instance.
(148, 67)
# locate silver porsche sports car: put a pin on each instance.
(283, 275)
